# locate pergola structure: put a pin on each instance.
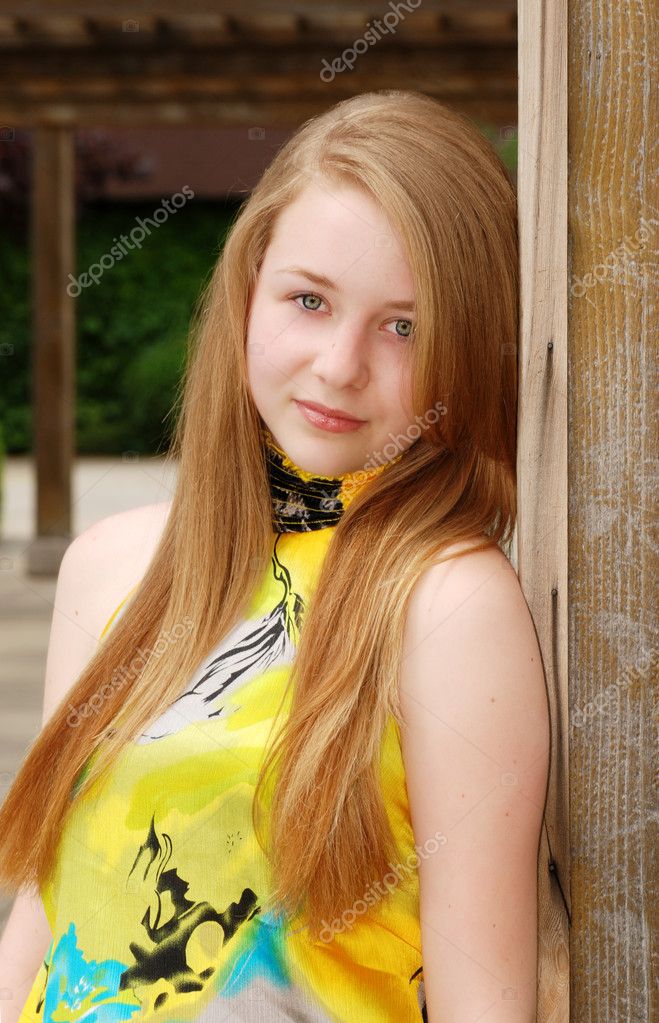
(81, 63)
(88, 63)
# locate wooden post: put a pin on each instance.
(52, 229)
(613, 444)
(542, 448)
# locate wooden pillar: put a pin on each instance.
(53, 368)
(542, 448)
(613, 443)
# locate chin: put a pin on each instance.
(324, 456)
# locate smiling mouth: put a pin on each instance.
(329, 412)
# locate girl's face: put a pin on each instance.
(328, 324)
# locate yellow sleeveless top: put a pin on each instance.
(154, 901)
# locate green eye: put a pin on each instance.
(310, 295)
(409, 328)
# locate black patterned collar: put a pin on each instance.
(303, 501)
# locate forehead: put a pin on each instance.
(338, 228)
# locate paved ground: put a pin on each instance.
(101, 486)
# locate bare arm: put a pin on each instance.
(27, 934)
(476, 748)
(98, 569)
(24, 944)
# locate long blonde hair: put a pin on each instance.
(450, 198)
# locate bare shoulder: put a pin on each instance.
(464, 574)
(130, 531)
(109, 558)
(99, 569)
(469, 610)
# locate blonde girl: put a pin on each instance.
(302, 775)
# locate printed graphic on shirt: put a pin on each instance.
(250, 649)
(159, 913)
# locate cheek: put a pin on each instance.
(398, 389)
(275, 332)
(271, 359)
(258, 362)
(405, 398)
(253, 363)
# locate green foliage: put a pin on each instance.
(15, 384)
(132, 326)
(150, 384)
(2, 472)
(504, 140)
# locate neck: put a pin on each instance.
(303, 501)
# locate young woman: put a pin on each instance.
(303, 774)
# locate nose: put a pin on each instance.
(341, 360)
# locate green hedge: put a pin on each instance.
(2, 475)
(132, 326)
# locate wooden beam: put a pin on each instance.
(223, 113)
(542, 450)
(72, 71)
(199, 30)
(53, 30)
(423, 29)
(260, 67)
(434, 24)
(614, 566)
(243, 84)
(289, 83)
(52, 230)
(163, 8)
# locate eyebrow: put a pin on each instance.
(324, 282)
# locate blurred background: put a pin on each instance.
(117, 115)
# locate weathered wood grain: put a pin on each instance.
(613, 444)
(542, 454)
(52, 230)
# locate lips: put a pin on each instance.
(335, 413)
